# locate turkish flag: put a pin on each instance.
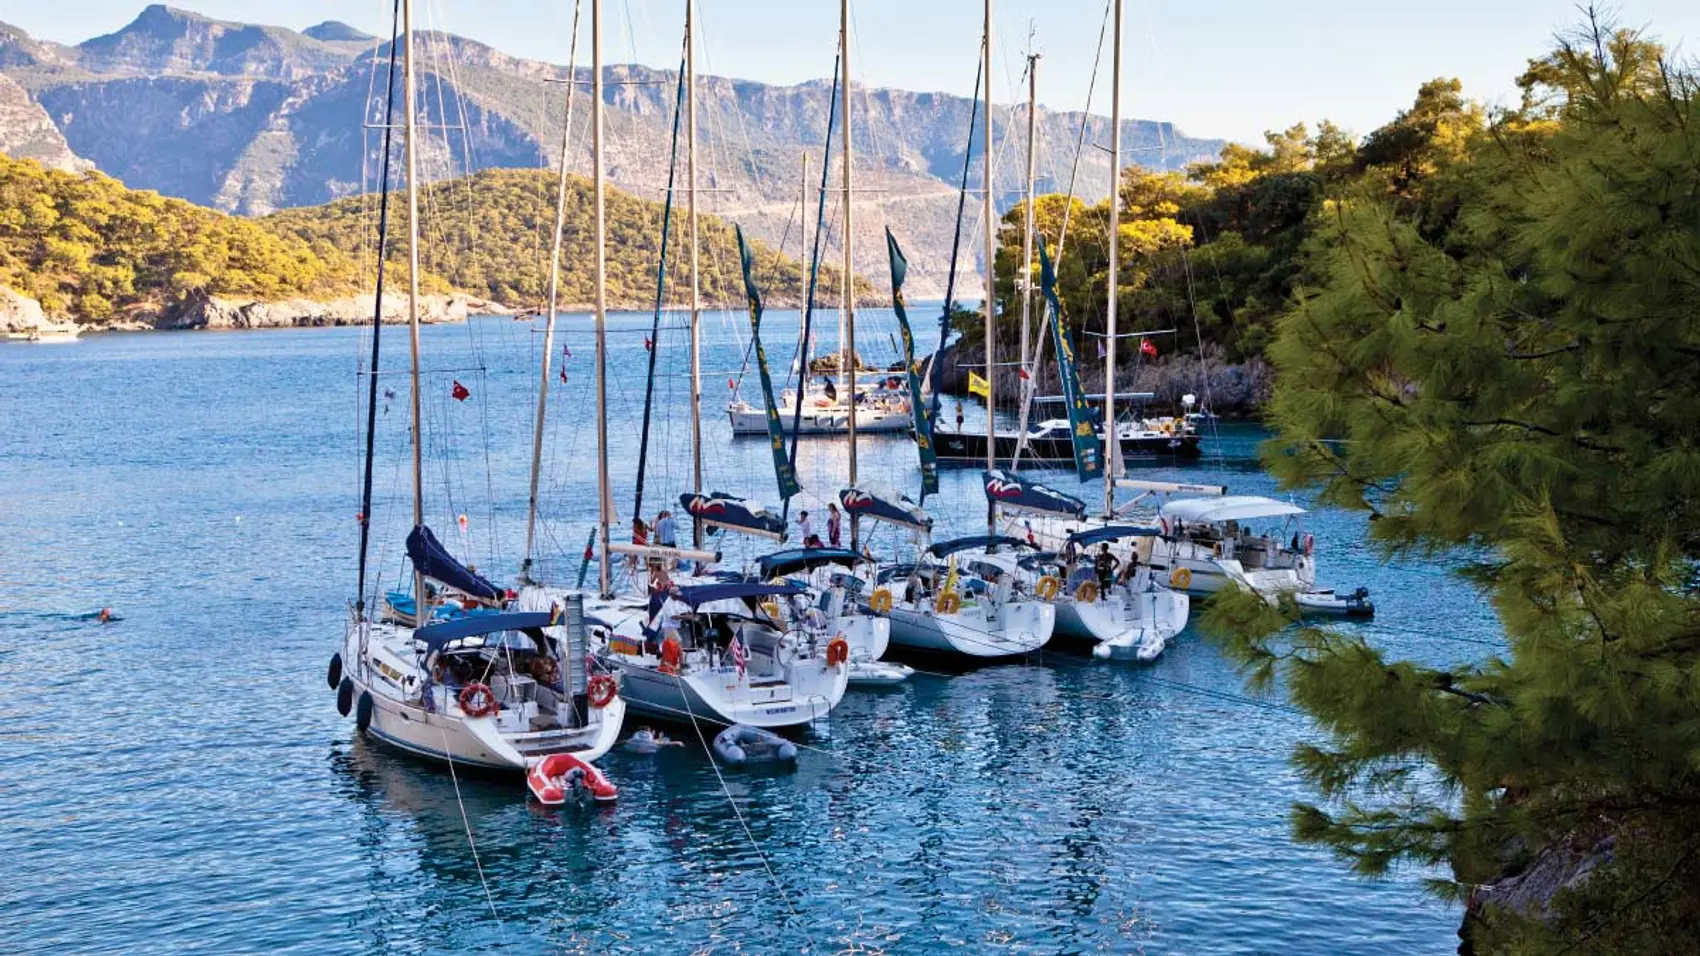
(1023, 373)
(647, 344)
(459, 392)
(563, 376)
(1146, 347)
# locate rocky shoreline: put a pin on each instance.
(22, 315)
(1232, 390)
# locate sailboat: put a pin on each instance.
(962, 596)
(703, 649)
(491, 687)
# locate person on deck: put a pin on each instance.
(640, 537)
(666, 532)
(834, 525)
(1105, 565)
(959, 417)
(805, 527)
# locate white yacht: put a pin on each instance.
(720, 653)
(1135, 619)
(884, 408)
(830, 609)
(963, 598)
(1208, 543)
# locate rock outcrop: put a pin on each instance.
(26, 132)
(19, 313)
(217, 312)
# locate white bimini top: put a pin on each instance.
(1231, 508)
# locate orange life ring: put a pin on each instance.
(949, 603)
(601, 691)
(1087, 592)
(1048, 587)
(478, 700)
(837, 651)
(671, 655)
(880, 602)
(1180, 578)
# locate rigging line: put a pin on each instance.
(784, 894)
(814, 278)
(466, 824)
(956, 238)
(377, 323)
(660, 289)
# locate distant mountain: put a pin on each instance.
(252, 119)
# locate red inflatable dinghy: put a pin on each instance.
(558, 778)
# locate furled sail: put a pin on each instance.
(786, 475)
(1012, 492)
(434, 561)
(923, 413)
(1082, 423)
(877, 502)
(718, 510)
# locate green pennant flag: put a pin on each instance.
(1082, 425)
(923, 413)
(788, 485)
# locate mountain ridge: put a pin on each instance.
(253, 119)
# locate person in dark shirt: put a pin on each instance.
(1105, 565)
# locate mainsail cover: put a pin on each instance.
(786, 475)
(433, 560)
(879, 503)
(734, 514)
(1082, 424)
(1009, 491)
(923, 411)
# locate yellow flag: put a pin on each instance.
(979, 386)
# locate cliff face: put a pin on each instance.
(27, 133)
(250, 119)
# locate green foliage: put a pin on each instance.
(490, 234)
(1498, 352)
(85, 246)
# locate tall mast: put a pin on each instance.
(422, 605)
(991, 255)
(605, 493)
(1025, 280)
(696, 289)
(847, 364)
(1112, 441)
(554, 289)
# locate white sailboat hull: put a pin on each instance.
(834, 420)
(1126, 627)
(1015, 629)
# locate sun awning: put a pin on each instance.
(1232, 508)
(1116, 532)
(697, 595)
(477, 625)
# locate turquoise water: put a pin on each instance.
(180, 780)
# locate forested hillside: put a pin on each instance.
(88, 248)
(490, 234)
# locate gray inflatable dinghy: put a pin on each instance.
(739, 745)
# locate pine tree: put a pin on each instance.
(1499, 354)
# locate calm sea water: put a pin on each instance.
(180, 780)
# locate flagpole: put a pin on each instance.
(849, 359)
(549, 328)
(696, 289)
(991, 257)
(605, 497)
(1112, 440)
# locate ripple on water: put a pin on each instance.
(181, 781)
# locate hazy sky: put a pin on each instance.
(1228, 68)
